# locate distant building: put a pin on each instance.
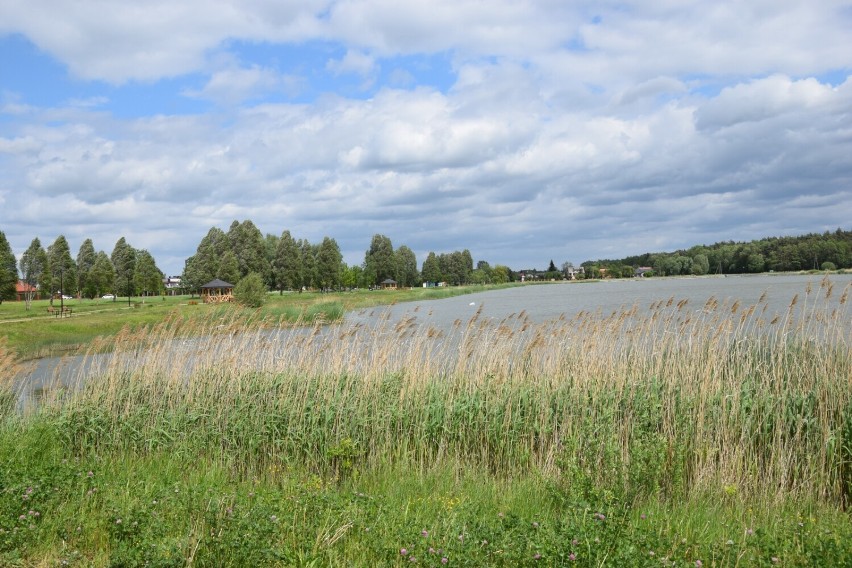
(640, 272)
(21, 290)
(530, 274)
(572, 272)
(172, 285)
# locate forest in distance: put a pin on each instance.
(286, 263)
(814, 251)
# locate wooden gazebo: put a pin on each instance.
(389, 284)
(217, 291)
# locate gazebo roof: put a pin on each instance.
(216, 283)
(388, 281)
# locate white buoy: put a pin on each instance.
(473, 303)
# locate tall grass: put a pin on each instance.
(669, 401)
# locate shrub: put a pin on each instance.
(250, 291)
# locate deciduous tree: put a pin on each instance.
(63, 270)
(148, 278)
(329, 264)
(86, 258)
(124, 261)
(249, 246)
(229, 268)
(287, 266)
(309, 263)
(202, 267)
(250, 291)
(406, 266)
(379, 260)
(431, 271)
(102, 275)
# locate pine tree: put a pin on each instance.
(8, 270)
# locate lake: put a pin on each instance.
(543, 302)
(538, 303)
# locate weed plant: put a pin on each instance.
(663, 435)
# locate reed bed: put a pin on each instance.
(670, 401)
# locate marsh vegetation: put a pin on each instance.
(717, 434)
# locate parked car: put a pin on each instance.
(66, 297)
(108, 297)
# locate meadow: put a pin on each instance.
(677, 435)
(35, 333)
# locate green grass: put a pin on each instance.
(681, 437)
(122, 509)
(35, 333)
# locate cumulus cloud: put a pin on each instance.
(567, 131)
(234, 85)
(121, 41)
(353, 62)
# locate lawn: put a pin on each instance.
(36, 333)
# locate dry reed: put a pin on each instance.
(671, 400)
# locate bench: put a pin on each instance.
(59, 312)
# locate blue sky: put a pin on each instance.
(523, 131)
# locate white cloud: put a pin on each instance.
(234, 85)
(762, 99)
(597, 127)
(120, 41)
(353, 62)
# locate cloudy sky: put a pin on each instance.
(524, 131)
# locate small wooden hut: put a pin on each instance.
(388, 284)
(217, 291)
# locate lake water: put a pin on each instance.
(539, 303)
(543, 302)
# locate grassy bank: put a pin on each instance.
(35, 333)
(687, 435)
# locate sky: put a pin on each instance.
(524, 131)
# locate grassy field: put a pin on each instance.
(687, 436)
(37, 333)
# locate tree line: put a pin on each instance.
(814, 251)
(286, 263)
(52, 271)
